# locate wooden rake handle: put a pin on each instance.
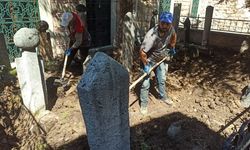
(145, 74)
(64, 66)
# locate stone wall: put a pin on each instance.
(223, 40)
(185, 6)
(233, 9)
(144, 13)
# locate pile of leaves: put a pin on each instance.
(18, 128)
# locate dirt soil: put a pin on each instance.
(206, 93)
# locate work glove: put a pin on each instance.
(172, 52)
(146, 68)
(68, 51)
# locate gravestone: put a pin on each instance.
(30, 71)
(129, 30)
(103, 93)
(187, 24)
(27, 39)
(207, 26)
(4, 58)
(177, 14)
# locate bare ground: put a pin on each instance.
(206, 93)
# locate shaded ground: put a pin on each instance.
(18, 128)
(206, 93)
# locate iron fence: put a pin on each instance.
(164, 5)
(16, 14)
(219, 24)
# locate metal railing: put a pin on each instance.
(231, 25)
(16, 14)
(219, 24)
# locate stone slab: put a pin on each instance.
(129, 37)
(31, 81)
(103, 93)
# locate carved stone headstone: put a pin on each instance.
(26, 38)
(177, 14)
(103, 93)
(129, 30)
(207, 26)
(31, 81)
(30, 71)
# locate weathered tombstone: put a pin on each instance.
(30, 70)
(27, 39)
(129, 30)
(177, 14)
(187, 25)
(103, 93)
(4, 58)
(207, 26)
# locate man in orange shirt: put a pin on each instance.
(80, 38)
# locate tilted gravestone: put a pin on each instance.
(129, 30)
(30, 70)
(4, 58)
(103, 93)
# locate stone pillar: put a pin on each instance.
(207, 26)
(4, 57)
(177, 14)
(128, 37)
(30, 70)
(103, 93)
(187, 25)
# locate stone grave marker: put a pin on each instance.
(129, 31)
(30, 70)
(207, 26)
(103, 93)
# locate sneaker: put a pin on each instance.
(144, 110)
(167, 100)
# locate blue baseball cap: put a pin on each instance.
(166, 17)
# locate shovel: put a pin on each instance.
(62, 81)
(145, 74)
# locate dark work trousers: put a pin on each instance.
(83, 54)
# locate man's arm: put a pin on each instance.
(78, 42)
(173, 40)
(143, 57)
(147, 44)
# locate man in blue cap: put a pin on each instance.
(153, 49)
